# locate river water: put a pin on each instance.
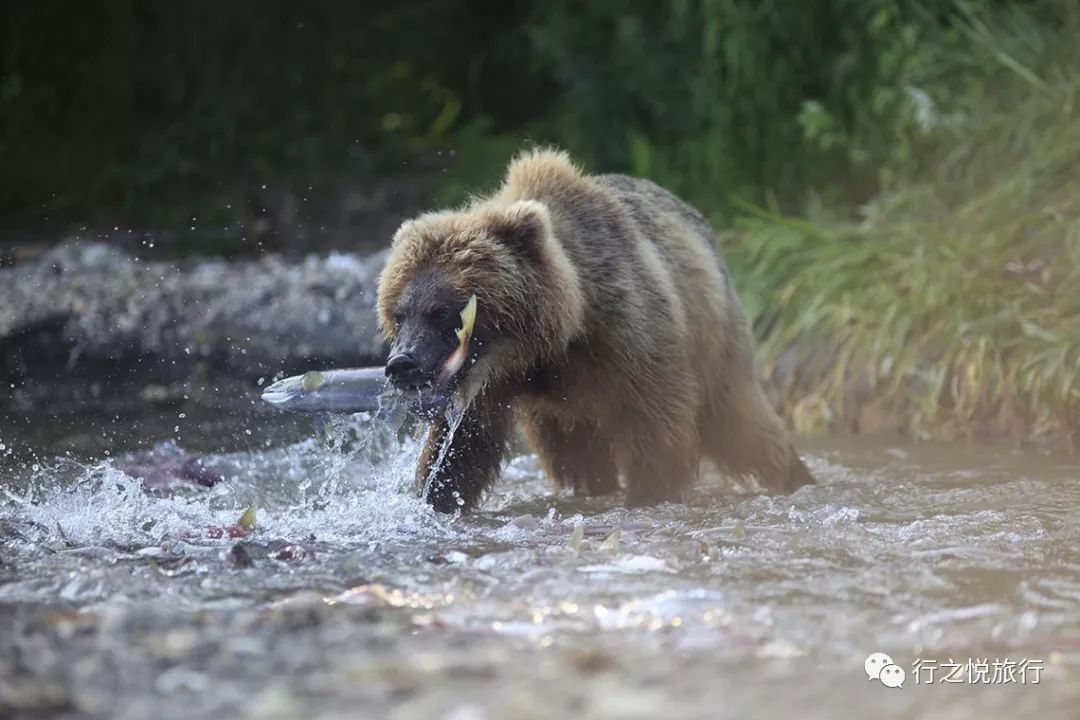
(123, 595)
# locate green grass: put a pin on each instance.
(952, 307)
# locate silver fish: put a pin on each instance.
(331, 391)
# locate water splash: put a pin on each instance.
(455, 413)
(351, 488)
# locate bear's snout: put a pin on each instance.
(405, 373)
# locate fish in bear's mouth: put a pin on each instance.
(433, 396)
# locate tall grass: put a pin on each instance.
(952, 307)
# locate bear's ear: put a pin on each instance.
(521, 227)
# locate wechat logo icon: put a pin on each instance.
(880, 667)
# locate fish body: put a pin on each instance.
(342, 391)
(356, 390)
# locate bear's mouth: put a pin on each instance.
(432, 397)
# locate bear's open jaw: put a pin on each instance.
(430, 398)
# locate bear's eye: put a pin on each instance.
(440, 316)
(398, 318)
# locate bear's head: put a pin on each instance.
(529, 297)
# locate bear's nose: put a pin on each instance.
(403, 370)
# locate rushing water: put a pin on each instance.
(127, 597)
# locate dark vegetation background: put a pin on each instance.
(151, 113)
(896, 183)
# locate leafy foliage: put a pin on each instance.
(156, 112)
(715, 97)
(952, 305)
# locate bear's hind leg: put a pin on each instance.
(744, 436)
(576, 456)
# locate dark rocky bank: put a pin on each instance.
(88, 329)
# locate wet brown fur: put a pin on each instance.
(607, 327)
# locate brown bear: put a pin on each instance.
(606, 325)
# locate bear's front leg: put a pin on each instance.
(454, 472)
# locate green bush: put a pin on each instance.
(715, 98)
(128, 111)
(952, 307)
(154, 112)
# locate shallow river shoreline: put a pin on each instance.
(352, 599)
